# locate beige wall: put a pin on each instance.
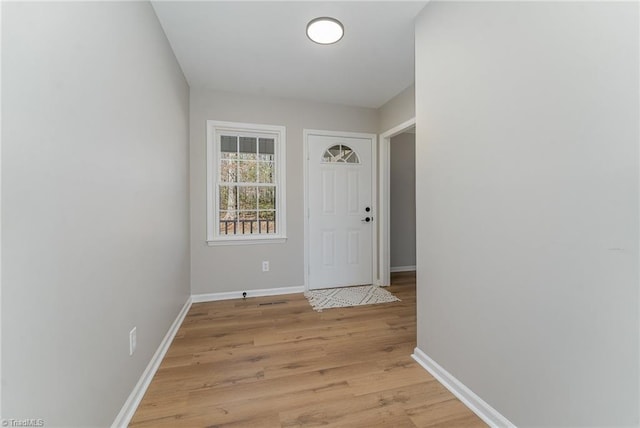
(94, 205)
(402, 186)
(238, 267)
(397, 110)
(527, 195)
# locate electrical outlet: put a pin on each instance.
(265, 266)
(132, 341)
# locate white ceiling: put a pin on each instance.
(261, 48)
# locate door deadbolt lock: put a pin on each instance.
(367, 209)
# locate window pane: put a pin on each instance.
(231, 156)
(267, 198)
(228, 171)
(228, 215)
(248, 148)
(248, 215)
(351, 157)
(247, 172)
(335, 151)
(267, 221)
(267, 215)
(267, 146)
(228, 196)
(227, 224)
(247, 222)
(228, 144)
(266, 172)
(347, 154)
(247, 198)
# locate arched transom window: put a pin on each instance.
(340, 154)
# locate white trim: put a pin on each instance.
(1, 379)
(638, 237)
(279, 133)
(374, 193)
(305, 213)
(131, 405)
(248, 241)
(402, 269)
(476, 404)
(345, 134)
(384, 256)
(229, 295)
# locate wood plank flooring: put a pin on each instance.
(262, 363)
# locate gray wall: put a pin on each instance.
(238, 267)
(94, 205)
(527, 194)
(397, 110)
(402, 186)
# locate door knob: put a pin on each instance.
(367, 219)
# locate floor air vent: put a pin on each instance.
(279, 302)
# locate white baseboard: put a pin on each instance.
(212, 297)
(477, 405)
(130, 406)
(402, 269)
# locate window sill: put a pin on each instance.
(248, 241)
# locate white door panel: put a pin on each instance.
(339, 193)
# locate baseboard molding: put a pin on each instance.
(212, 297)
(130, 406)
(402, 269)
(476, 404)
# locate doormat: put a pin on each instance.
(346, 297)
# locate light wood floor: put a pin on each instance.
(259, 363)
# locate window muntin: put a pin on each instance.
(245, 190)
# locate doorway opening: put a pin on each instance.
(403, 251)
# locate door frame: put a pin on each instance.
(384, 213)
(306, 133)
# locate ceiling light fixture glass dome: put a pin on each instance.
(325, 30)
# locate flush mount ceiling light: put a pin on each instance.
(325, 31)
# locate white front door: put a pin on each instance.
(340, 211)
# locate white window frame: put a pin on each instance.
(278, 133)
